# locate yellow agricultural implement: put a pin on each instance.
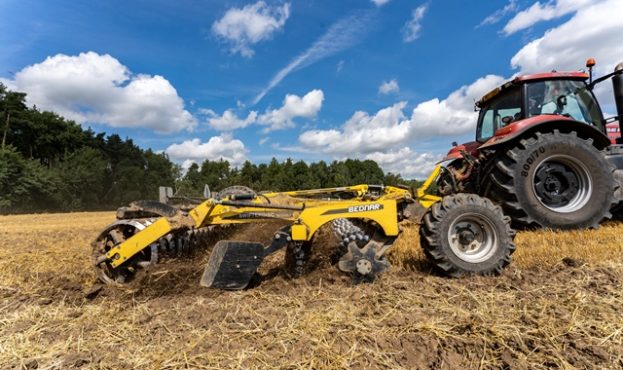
(460, 233)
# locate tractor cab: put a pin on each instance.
(555, 95)
(542, 151)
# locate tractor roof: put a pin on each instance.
(529, 78)
(552, 76)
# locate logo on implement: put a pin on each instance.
(364, 208)
(355, 209)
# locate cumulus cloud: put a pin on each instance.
(380, 3)
(229, 121)
(389, 87)
(390, 127)
(281, 118)
(411, 29)
(94, 88)
(362, 133)
(499, 14)
(454, 115)
(293, 106)
(9, 84)
(377, 136)
(341, 35)
(406, 162)
(223, 147)
(543, 12)
(592, 32)
(243, 27)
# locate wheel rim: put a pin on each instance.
(143, 259)
(562, 184)
(472, 238)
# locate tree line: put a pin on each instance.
(49, 163)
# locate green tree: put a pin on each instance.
(12, 105)
(272, 175)
(82, 175)
(159, 171)
(25, 185)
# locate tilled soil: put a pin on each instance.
(564, 314)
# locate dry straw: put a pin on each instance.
(557, 306)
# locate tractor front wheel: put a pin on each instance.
(466, 234)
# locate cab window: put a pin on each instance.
(564, 97)
(499, 112)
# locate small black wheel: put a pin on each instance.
(556, 180)
(467, 234)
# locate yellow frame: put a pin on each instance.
(313, 213)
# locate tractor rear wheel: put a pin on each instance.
(467, 234)
(556, 180)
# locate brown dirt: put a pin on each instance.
(557, 306)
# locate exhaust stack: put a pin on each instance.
(617, 85)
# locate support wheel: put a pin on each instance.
(466, 234)
(554, 180)
(235, 190)
(113, 235)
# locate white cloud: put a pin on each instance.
(390, 127)
(243, 27)
(499, 14)
(380, 3)
(293, 106)
(229, 121)
(339, 66)
(94, 88)
(217, 147)
(9, 84)
(362, 133)
(387, 135)
(594, 31)
(454, 115)
(543, 12)
(406, 162)
(411, 29)
(281, 118)
(341, 35)
(389, 87)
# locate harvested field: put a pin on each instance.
(557, 306)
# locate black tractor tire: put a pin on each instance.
(466, 234)
(554, 180)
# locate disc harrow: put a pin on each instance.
(361, 253)
(365, 219)
(348, 232)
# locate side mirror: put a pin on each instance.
(454, 143)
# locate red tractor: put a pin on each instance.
(542, 151)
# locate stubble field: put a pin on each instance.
(557, 306)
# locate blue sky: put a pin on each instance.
(388, 80)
